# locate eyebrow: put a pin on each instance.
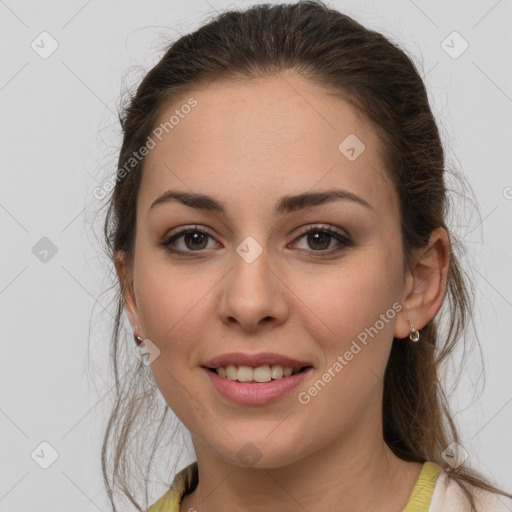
(286, 204)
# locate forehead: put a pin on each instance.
(254, 140)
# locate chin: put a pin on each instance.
(260, 452)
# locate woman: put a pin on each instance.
(278, 229)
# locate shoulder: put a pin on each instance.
(184, 482)
(449, 496)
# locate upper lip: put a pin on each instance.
(255, 360)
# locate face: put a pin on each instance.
(256, 278)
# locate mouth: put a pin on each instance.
(256, 375)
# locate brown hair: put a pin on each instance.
(364, 68)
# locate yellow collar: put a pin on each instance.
(421, 495)
(186, 481)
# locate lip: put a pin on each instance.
(250, 393)
(254, 360)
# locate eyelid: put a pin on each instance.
(183, 230)
(324, 227)
(343, 238)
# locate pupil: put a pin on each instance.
(195, 237)
(315, 236)
(313, 239)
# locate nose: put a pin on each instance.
(253, 294)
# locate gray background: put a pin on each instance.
(59, 136)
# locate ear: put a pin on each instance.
(126, 280)
(425, 286)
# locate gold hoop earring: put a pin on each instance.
(414, 335)
(140, 353)
(136, 337)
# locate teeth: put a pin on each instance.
(264, 373)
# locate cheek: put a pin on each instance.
(172, 308)
(353, 327)
(172, 304)
(355, 335)
(340, 303)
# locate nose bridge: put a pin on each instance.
(251, 292)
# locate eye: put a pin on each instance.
(319, 238)
(194, 240)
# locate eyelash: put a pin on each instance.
(344, 241)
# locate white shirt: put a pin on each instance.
(448, 496)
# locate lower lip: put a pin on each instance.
(255, 393)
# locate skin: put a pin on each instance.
(247, 144)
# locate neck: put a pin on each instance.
(353, 474)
